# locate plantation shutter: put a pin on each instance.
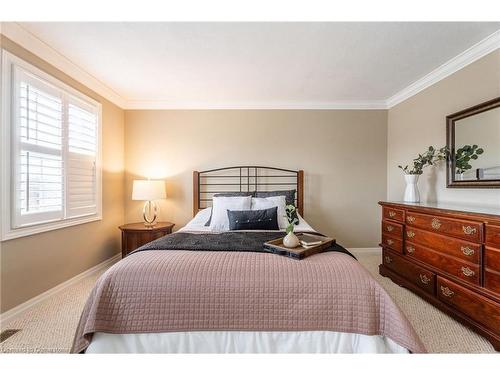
(81, 160)
(55, 150)
(37, 151)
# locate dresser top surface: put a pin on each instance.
(448, 206)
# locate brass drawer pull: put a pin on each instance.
(392, 213)
(436, 224)
(390, 228)
(410, 249)
(411, 219)
(388, 259)
(389, 241)
(467, 250)
(467, 271)
(447, 292)
(424, 279)
(410, 234)
(469, 230)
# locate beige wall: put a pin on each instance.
(31, 265)
(420, 121)
(343, 154)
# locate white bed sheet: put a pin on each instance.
(242, 342)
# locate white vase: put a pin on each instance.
(411, 192)
(291, 240)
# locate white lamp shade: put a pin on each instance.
(148, 190)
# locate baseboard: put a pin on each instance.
(366, 250)
(11, 314)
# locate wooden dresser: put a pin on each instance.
(448, 256)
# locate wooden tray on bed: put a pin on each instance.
(300, 252)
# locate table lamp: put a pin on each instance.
(149, 191)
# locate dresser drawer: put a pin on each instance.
(477, 307)
(492, 281)
(468, 230)
(393, 229)
(467, 251)
(492, 258)
(393, 214)
(492, 236)
(492, 269)
(419, 276)
(393, 243)
(466, 271)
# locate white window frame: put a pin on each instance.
(8, 231)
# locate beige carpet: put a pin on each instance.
(49, 326)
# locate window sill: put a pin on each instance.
(10, 234)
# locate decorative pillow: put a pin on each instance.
(289, 196)
(255, 219)
(201, 217)
(220, 207)
(278, 201)
(230, 194)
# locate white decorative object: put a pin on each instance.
(291, 240)
(149, 191)
(411, 192)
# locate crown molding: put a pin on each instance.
(168, 105)
(480, 49)
(27, 40)
(23, 37)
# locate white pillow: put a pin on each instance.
(201, 217)
(220, 205)
(270, 202)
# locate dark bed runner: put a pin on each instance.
(235, 241)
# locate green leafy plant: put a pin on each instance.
(466, 154)
(428, 158)
(291, 217)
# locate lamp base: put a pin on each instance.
(150, 213)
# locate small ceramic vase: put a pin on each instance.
(412, 194)
(291, 240)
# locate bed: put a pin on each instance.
(202, 290)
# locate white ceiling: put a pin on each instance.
(203, 65)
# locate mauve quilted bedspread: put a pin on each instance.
(177, 290)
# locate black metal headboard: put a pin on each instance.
(245, 179)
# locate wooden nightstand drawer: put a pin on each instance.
(137, 234)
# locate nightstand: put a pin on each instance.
(135, 235)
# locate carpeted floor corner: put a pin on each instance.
(49, 326)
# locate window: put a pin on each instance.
(51, 174)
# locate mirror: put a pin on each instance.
(473, 138)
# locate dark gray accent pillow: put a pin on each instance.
(289, 197)
(252, 220)
(230, 194)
